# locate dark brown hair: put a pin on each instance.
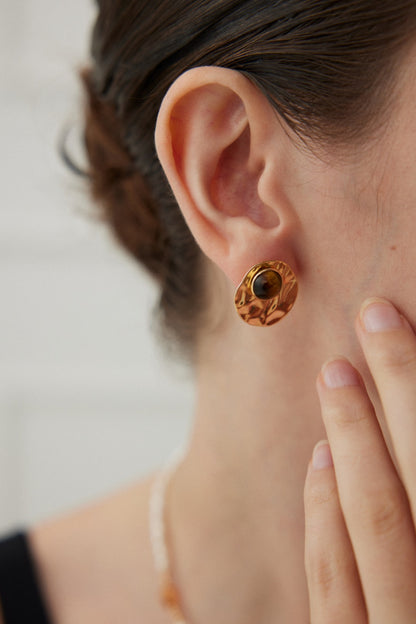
(327, 66)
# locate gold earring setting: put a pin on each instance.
(267, 293)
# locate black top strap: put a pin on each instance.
(20, 593)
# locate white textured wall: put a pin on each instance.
(87, 400)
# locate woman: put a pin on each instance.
(285, 136)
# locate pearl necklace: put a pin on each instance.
(169, 595)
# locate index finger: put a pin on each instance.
(389, 345)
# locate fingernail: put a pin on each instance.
(322, 456)
(339, 372)
(379, 315)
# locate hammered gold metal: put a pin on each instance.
(265, 312)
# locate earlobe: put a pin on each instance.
(213, 137)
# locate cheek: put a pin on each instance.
(344, 259)
(394, 256)
(359, 234)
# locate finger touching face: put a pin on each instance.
(389, 345)
(373, 499)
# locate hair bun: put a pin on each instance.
(118, 185)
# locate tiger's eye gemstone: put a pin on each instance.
(267, 284)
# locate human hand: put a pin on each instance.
(360, 511)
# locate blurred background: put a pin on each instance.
(88, 400)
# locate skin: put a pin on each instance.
(360, 550)
(256, 535)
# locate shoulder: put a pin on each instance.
(97, 561)
(19, 589)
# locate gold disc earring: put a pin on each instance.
(267, 293)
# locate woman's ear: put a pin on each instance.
(225, 154)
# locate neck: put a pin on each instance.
(235, 506)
